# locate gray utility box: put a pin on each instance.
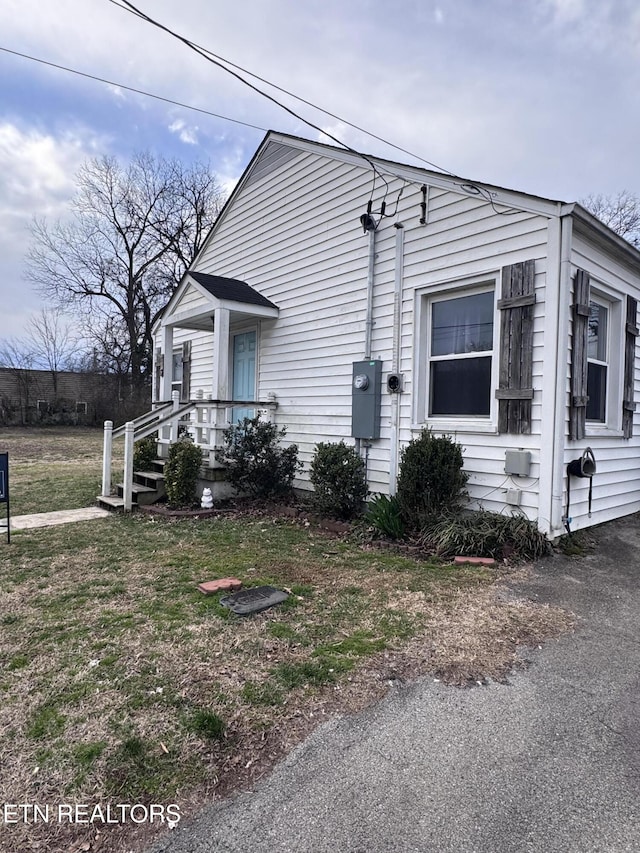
(365, 399)
(517, 462)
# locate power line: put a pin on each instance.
(131, 89)
(228, 66)
(126, 6)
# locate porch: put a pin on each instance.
(204, 420)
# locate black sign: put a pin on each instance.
(4, 478)
(4, 488)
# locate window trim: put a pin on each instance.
(425, 298)
(613, 302)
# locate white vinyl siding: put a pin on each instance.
(293, 233)
(305, 251)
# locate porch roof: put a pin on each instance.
(193, 304)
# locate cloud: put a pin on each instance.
(186, 134)
(38, 171)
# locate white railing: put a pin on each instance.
(205, 420)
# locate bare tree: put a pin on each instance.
(18, 359)
(53, 343)
(620, 212)
(132, 233)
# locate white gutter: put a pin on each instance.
(559, 419)
(394, 447)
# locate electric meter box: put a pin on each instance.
(366, 389)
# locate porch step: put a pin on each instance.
(139, 494)
(147, 488)
(110, 502)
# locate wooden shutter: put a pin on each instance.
(515, 391)
(158, 372)
(579, 341)
(630, 335)
(186, 371)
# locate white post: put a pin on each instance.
(129, 429)
(220, 385)
(173, 429)
(106, 458)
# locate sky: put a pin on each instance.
(541, 96)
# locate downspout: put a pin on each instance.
(559, 420)
(394, 448)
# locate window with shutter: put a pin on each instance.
(515, 391)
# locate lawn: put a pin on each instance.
(121, 683)
(55, 468)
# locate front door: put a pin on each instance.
(244, 373)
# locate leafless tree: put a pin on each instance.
(18, 359)
(53, 343)
(620, 212)
(133, 231)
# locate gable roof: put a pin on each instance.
(278, 148)
(194, 301)
(230, 289)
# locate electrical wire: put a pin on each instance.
(126, 6)
(130, 88)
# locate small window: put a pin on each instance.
(597, 362)
(43, 407)
(460, 355)
(176, 371)
(81, 408)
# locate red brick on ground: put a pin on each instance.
(476, 561)
(222, 585)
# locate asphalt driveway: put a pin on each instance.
(548, 762)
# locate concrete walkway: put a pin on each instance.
(548, 763)
(49, 519)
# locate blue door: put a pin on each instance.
(244, 374)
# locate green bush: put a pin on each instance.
(383, 513)
(339, 480)
(430, 480)
(487, 534)
(145, 451)
(181, 472)
(255, 464)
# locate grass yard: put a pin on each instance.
(55, 467)
(121, 683)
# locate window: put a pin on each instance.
(81, 408)
(176, 371)
(460, 349)
(597, 361)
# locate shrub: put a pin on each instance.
(339, 480)
(383, 513)
(255, 464)
(487, 534)
(144, 453)
(431, 480)
(181, 472)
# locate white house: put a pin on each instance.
(505, 320)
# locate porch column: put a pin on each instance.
(167, 349)
(220, 386)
